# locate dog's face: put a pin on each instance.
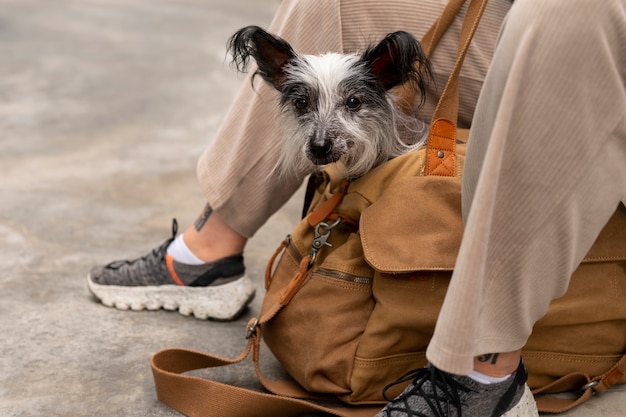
(338, 105)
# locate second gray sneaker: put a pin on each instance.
(434, 393)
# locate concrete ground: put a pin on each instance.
(105, 106)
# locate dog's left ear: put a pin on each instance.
(398, 58)
(270, 52)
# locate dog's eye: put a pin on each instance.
(301, 103)
(353, 103)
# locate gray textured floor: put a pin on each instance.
(105, 106)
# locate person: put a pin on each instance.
(545, 170)
(233, 171)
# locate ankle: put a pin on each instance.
(179, 250)
(498, 364)
(215, 240)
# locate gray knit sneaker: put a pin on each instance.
(434, 393)
(217, 290)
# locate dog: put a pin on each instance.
(339, 107)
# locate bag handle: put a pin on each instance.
(431, 38)
(442, 138)
(441, 143)
(199, 397)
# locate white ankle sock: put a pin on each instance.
(181, 253)
(487, 379)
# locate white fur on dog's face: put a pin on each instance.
(336, 110)
(338, 107)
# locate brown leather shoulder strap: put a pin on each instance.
(407, 92)
(199, 397)
(441, 144)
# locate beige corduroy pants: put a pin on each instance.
(546, 164)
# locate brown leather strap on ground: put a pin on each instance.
(199, 397)
(191, 395)
(582, 383)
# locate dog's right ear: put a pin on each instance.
(270, 52)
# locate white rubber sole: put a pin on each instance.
(526, 407)
(221, 302)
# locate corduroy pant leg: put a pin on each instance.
(545, 170)
(235, 171)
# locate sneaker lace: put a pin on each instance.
(156, 255)
(441, 397)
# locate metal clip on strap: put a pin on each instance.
(322, 233)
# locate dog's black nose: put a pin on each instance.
(321, 150)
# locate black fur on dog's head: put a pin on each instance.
(397, 59)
